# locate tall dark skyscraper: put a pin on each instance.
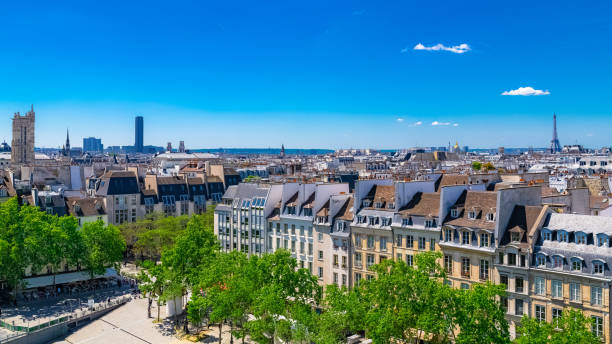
(138, 144)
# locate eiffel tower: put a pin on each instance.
(555, 147)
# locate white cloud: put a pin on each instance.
(455, 124)
(525, 91)
(436, 123)
(417, 123)
(457, 49)
(400, 120)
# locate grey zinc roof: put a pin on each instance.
(583, 223)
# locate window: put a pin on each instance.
(581, 238)
(562, 236)
(576, 264)
(597, 326)
(335, 260)
(302, 246)
(343, 262)
(432, 244)
(515, 237)
(518, 307)
(596, 296)
(370, 241)
(448, 264)
(320, 254)
(557, 262)
(383, 243)
(454, 213)
(472, 215)
(546, 235)
(557, 288)
(575, 292)
(398, 240)
(484, 270)
(556, 314)
(358, 260)
(344, 280)
(598, 267)
(448, 234)
(484, 240)
(320, 272)
(429, 223)
(512, 259)
(540, 313)
(309, 248)
(490, 217)
(369, 260)
(540, 286)
(465, 286)
(409, 241)
(357, 278)
(320, 236)
(465, 267)
(292, 245)
(518, 284)
(501, 258)
(421, 243)
(602, 240)
(540, 260)
(465, 238)
(523, 260)
(357, 241)
(409, 259)
(503, 279)
(335, 278)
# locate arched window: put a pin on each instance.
(576, 264)
(562, 236)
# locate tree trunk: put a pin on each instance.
(220, 330)
(231, 334)
(158, 309)
(149, 308)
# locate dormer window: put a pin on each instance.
(490, 217)
(546, 235)
(602, 240)
(448, 234)
(557, 262)
(598, 267)
(576, 264)
(484, 239)
(581, 238)
(378, 205)
(540, 260)
(454, 213)
(471, 215)
(366, 203)
(515, 237)
(391, 205)
(562, 236)
(407, 221)
(430, 223)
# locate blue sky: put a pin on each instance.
(309, 74)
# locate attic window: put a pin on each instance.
(429, 223)
(391, 205)
(515, 237)
(471, 215)
(454, 213)
(366, 203)
(491, 217)
(378, 205)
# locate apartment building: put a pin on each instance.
(121, 193)
(571, 268)
(240, 220)
(173, 195)
(372, 235)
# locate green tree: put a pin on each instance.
(571, 327)
(104, 247)
(488, 167)
(479, 315)
(476, 165)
